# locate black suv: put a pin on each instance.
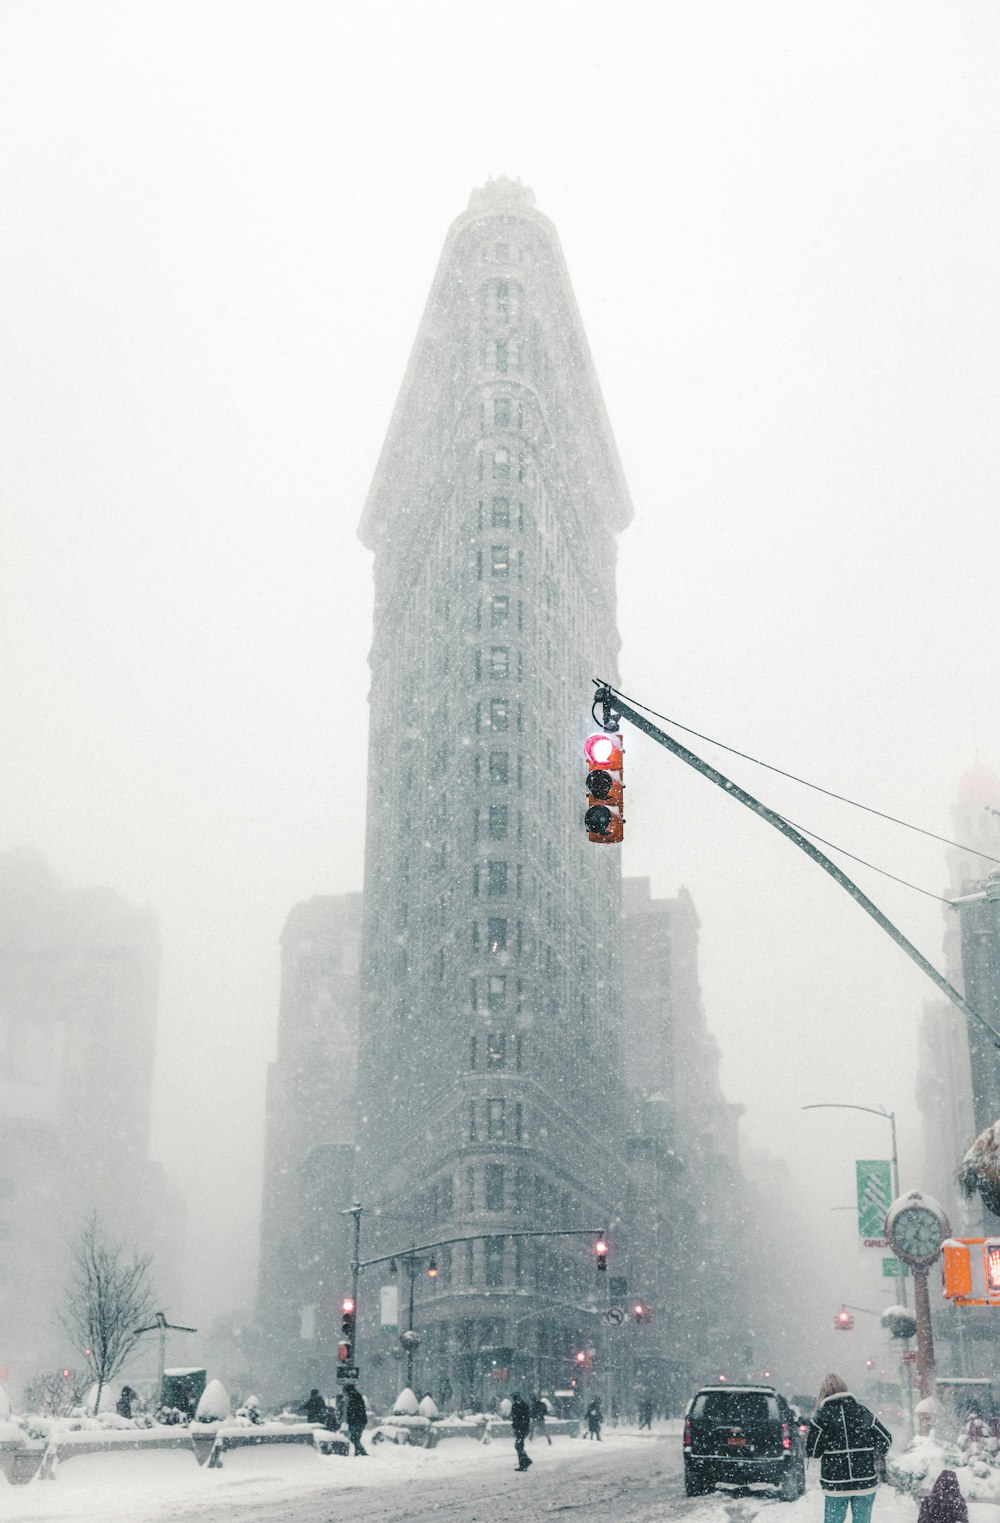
(741, 1436)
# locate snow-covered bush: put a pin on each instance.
(214, 1406)
(248, 1414)
(428, 1406)
(406, 1404)
(503, 1409)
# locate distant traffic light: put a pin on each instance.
(345, 1347)
(843, 1321)
(604, 819)
(601, 1253)
(641, 1312)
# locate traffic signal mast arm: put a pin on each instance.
(615, 706)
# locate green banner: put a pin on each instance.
(874, 1176)
(892, 1267)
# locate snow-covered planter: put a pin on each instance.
(22, 1447)
(403, 1428)
(428, 1407)
(406, 1404)
(972, 1458)
(212, 1410)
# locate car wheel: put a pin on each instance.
(696, 1483)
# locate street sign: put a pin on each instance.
(613, 1316)
(389, 1307)
(347, 1372)
(891, 1267)
(874, 1180)
(617, 1287)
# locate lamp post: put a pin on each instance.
(889, 1116)
(161, 1325)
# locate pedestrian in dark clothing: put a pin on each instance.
(314, 1407)
(125, 1400)
(539, 1412)
(946, 1503)
(356, 1416)
(594, 1419)
(850, 1441)
(646, 1413)
(520, 1421)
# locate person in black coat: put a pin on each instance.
(850, 1442)
(355, 1417)
(314, 1407)
(520, 1421)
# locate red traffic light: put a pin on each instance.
(580, 1357)
(604, 755)
(843, 1320)
(601, 1253)
(347, 1304)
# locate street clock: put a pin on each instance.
(916, 1226)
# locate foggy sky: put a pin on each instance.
(781, 224)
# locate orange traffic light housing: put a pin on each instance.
(604, 754)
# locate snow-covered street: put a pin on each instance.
(626, 1479)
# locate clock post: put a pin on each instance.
(916, 1227)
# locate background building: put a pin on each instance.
(305, 1246)
(490, 1073)
(79, 982)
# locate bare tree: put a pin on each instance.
(56, 1394)
(108, 1300)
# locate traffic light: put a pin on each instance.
(601, 1253)
(604, 819)
(641, 1312)
(843, 1321)
(346, 1345)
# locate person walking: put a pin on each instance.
(520, 1421)
(849, 1442)
(539, 1412)
(945, 1504)
(646, 1413)
(356, 1417)
(594, 1419)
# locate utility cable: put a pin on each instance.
(864, 863)
(793, 777)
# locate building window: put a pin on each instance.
(501, 356)
(499, 609)
(499, 714)
(497, 991)
(518, 1261)
(496, 934)
(447, 1196)
(495, 1122)
(501, 462)
(499, 767)
(494, 1261)
(472, 1120)
(496, 878)
(444, 1265)
(499, 560)
(499, 661)
(501, 412)
(470, 1191)
(496, 1049)
(500, 513)
(473, 1054)
(520, 1192)
(518, 1053)
(518, 1120)
(498, 822)
(503, 298)
(494, 1187)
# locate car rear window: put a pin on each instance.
(733, 1408)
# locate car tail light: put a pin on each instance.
(786, 1437)
(687, 1433)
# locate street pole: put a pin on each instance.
(925, 1339)
(905, 1376)
(355, 1209)
(409, 1325)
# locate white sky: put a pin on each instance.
(221, 225)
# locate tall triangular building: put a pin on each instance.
(490, 1064)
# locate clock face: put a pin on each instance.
(917, 1233)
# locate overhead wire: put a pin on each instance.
(817, 787)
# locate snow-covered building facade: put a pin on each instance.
(309, 1147)
(490, 1070)
(688, 1197)
(79, 988)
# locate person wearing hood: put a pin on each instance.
(945, 1504)
(850, 1442)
